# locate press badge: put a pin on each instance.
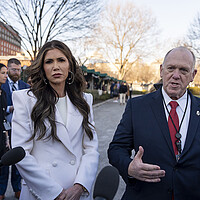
(6, 125)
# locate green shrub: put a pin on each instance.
(94, 93)
(104, 97)
(96, 97)
(139, 92)
(194, 90)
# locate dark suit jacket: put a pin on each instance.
(144, 123)
(3, 106)
(6, 88)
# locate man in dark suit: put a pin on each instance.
(163, 129)
(13, 82)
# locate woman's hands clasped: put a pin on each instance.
(72, 193)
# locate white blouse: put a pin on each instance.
(62, 108)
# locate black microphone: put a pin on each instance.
(106, 184)
(12, 156)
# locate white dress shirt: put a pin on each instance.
(180, 111)
(10, 82)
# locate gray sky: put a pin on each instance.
(173, 16)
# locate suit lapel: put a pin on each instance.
(8, 92)
(62, 131)
(193, 124)
(159, 112)
(20, 85)
(74, 121)
(74, 118)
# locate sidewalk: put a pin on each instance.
(107, 117)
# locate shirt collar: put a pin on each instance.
(181, 101)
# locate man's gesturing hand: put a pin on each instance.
(144, 172)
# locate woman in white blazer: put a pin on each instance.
(53, 122)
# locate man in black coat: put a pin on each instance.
(166, 164)
(122, 93)
(13, 82)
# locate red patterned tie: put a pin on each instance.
(172, 129)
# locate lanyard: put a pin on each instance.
(178, 135)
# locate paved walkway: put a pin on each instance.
(107, 116)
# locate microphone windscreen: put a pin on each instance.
(107, 183)
(13, 156)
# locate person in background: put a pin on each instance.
(112, 89)
(87, 85)
(118, 85)
(4, 126)
(13, 83)
(29, 81)
(127, 93)
(156, 86)
(53, 122)
(163, 129)
(115, 93)
(122, 93)
(4, 140)
(130, 90)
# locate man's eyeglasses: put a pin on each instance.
(15, 70)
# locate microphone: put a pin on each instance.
(106, 184)
(12, 156)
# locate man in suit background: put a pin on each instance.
(12, 83)
(163, 129)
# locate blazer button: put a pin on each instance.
(72, 162)
(54, 164)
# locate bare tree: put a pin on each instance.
(124, 33)
(194, 35)
(197, 77)
(143, 73)
(82, 48)
(39, 21)
(148, 76)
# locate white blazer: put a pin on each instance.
(49, 166)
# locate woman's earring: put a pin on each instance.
(45, 81)
(70, 78)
